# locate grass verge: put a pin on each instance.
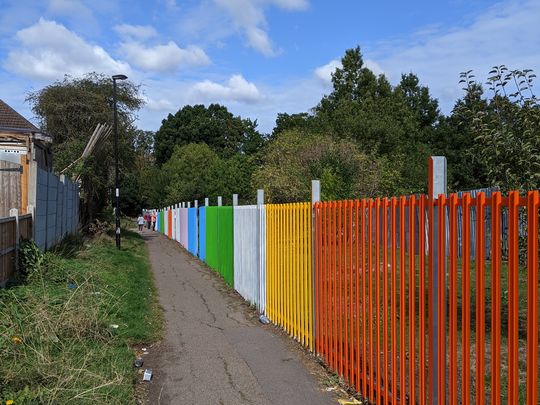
(58, 340)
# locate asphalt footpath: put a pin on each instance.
(215, 351)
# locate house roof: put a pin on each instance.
(11, 119)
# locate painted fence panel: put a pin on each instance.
(246, 253)
(289, 292)
(219, 241)
(262, 259)
(165, 221)
(177, 224)
(373, 298)
(192, 231)
(175, 234)
(202, 233)
(184, 228)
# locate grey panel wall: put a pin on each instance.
(57, 209)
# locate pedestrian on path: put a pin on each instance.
(140, 222)
(153, 220)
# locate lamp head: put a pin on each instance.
(119, 77)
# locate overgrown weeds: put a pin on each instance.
(57, 344)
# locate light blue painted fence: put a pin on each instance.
(192, 231)
(202, 233)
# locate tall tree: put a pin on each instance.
(505, 127)
(214, 125)
(294, 158)
(69, 110)
(382, 120)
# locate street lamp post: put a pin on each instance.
(116, 188)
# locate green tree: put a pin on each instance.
(393, 123)
(69, 110)
(506, 128)
(294, 158)
(284, 122)
(214, 125)
(191, 173)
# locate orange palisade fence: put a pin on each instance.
(375, 322)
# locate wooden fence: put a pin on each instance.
(9, 242)
(10, 187)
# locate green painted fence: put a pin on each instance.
(219, 241)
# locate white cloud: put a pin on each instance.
(505, 34)
(324, 73)
(136, 31)
(163, 58)
(236, 89)
(159, 105)
(248, 16)
(48, 50)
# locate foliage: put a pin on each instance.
(284, 122)
(195, 171)
(70, 110)
(382, 120)
(191, 172)
(214, 125)
(506, 128)
(30, 257)
(56, 344)
(294, 158)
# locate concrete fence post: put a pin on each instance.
(235, 200)
(206, 202)
(315, 197)
(219, 201)
(437, 184)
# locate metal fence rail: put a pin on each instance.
(410, 300)
(375, 289)
(289, 292)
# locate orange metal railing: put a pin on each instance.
(374, 288)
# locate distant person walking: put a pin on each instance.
(154, 220)
(140, 222)
(148, 219)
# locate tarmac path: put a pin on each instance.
(214, 349)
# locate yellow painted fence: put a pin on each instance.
(289, 284)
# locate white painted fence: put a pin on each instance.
(184, 227)
(249, 254)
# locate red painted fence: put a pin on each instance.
(374, 289)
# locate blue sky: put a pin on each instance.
(257, 57)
